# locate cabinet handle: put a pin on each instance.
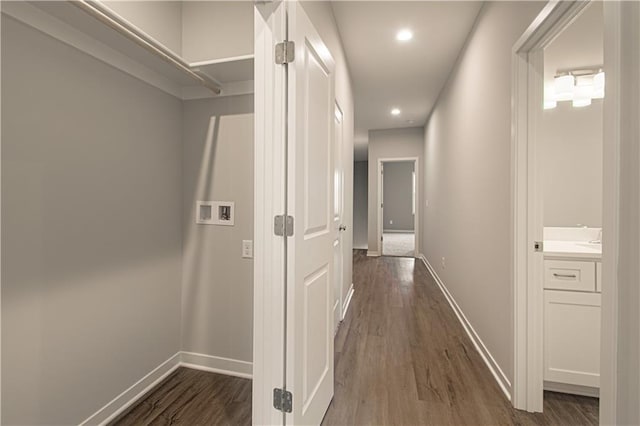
(564, 276)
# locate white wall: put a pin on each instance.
(91, 234)
(322, 18)
(217, 283)
(162, 20)
(391, 143)
(216, 29)
(467, 154)
(572, 146)
(360, 204)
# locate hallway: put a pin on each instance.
(402, 357)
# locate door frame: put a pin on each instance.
(527, 89)
(416, 216)
(270, 147)
(340, 118)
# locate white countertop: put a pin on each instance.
(573, 249)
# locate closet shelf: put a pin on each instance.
(227, 70)
(92, 27)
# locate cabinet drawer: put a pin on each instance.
(569, 275)
(599, 277)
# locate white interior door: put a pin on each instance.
(309, 363)
(338, 221)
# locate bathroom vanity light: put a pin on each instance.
(579, 86)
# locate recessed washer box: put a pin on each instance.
(215, 213)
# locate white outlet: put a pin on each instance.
(444, 265)
(391, 222)
(247, 249)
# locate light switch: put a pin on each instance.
(247, 249)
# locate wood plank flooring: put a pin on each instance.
(193, 397)
(402, 358)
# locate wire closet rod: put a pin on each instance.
(109, 18)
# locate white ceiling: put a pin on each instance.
(407, 75)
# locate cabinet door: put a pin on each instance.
(599, 277)
(572, 337)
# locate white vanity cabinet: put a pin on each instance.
(572, 338)
(572, 324)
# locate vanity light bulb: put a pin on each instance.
(598, 85)
(563, 86)
(578, 103)
(583, 92)
(550, 101)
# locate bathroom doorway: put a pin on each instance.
(561, 209)
(398, 215)
(570, 152)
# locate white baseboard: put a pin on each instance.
(398, 231)
(488, 359)
(572, 389)
(372, 253)
(216, 364)
(347, 302)
(127, 398)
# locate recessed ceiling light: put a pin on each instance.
(395, 111)
(404, 35)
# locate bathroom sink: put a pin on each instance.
(594, 246)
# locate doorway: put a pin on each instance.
(559, 213)
(569, 145)
(398, 219)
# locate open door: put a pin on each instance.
(294, 218)
(310, 299)
(338, 218)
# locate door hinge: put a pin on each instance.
(538, 246)
(282, 400)
(285, 52)
(283, 225)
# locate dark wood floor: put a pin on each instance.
(192, 397)
(402, 358)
